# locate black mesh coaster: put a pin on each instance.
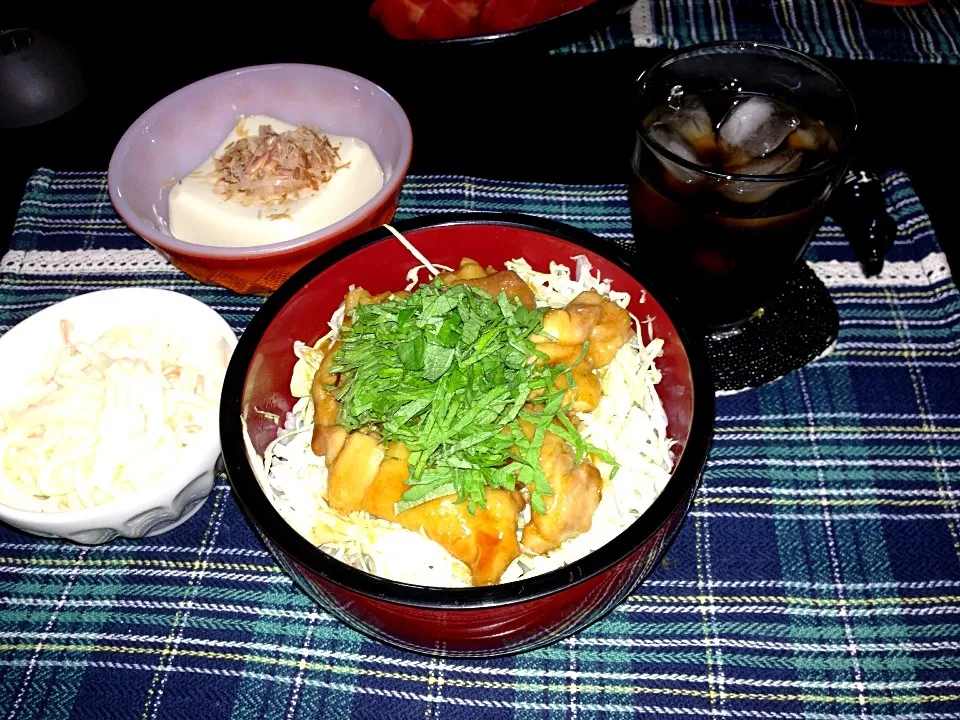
(799, 325)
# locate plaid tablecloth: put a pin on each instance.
(818, 575)
(850, 29)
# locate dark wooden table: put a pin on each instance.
(526, 115)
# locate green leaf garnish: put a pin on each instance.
(448, 371)
(437, 360)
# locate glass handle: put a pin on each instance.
(859, 207)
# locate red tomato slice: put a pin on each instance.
(449, 19)
(505, 15)
(400, 18)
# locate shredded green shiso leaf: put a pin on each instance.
(448, 372)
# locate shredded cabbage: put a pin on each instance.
(556, 288)
(105, 417)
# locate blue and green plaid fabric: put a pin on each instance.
(848, 29)
(818, 575)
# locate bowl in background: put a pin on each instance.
(160, 506)
(474, 621)
(178, 133)
(567, 26)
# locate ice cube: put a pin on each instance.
(671, 140)
(753, 128)
(687, 116)
(674, 143)
(777, 164)
(754, 191)
(812, 136)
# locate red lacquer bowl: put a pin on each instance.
(469, 621)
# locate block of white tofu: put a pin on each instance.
(202, 215)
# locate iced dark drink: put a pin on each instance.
(738, 148)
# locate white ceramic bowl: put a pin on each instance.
(161, 506)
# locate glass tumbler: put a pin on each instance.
(738, 147)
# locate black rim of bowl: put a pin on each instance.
(264, 516)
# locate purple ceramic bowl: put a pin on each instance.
(178, 133)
